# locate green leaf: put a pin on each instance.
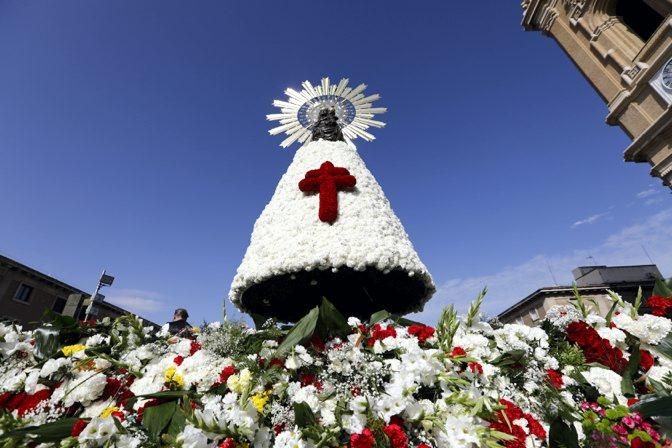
(379, 316)
(303, 330)
(49, 432)
(177, 423)
(665, 346)
(611, 312)
(303, 415)
(168, 394)
(475, 307)
(46, 342)
(332, 321)
(654, 406)
(663, 288)
(510, 358)
(560, 434)
(627, 386)
(157, 418)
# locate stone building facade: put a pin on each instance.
(593, 282)
(624, 49)
(25, 294)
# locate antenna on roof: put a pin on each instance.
(550, 270)
(592, 259)
(647, 254)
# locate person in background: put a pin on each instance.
(179, 326)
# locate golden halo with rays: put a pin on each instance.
(299, 113)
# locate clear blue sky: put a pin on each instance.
(133, 138)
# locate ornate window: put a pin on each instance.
(639, 17)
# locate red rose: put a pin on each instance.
(78, 427)
(397, 436)
(363, 440)
(422, 332)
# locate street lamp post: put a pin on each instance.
(104, 280)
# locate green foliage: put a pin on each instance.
(638, 303)
(578, 302)
(49, 432)
(379, 316)
(475, 308)
(566, 353)
(157, 418)
(665, 346)
(303, 415)
(302, 331)
(447, 327)
(627, 385)
(562, 435)
(47, 342)
(663, 288)
(331, 322)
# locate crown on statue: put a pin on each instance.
(303, 118)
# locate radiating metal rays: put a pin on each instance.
(299, 112)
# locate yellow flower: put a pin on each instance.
(196, 330)
(240, 382)
(171, 376)
(108, 411)
(259, 400)
(70, 350)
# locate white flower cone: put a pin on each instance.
(362, 262)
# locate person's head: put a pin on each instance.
(180, 314)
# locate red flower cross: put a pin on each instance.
(328, 180)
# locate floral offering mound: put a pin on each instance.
(578, 380)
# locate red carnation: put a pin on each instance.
(363, 440)
(317, 343)
(194, 347)
(226, 373)
(645, 360)
(78, 427)
(639, 443)
(475, 368)
(555, 378)
(31, 401)
(227, 443)
(4, 398)
(504, 424)
(594, 347)
(379, 333)
(422, 332)
(659, 305)
(457, 352)
(276, 362)
(397, 436)
(309, 379)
